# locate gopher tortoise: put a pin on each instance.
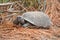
(39, 19)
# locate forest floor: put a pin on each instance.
(9, 32)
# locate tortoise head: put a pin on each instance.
(18, 20)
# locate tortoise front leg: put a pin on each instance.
(26, 24)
